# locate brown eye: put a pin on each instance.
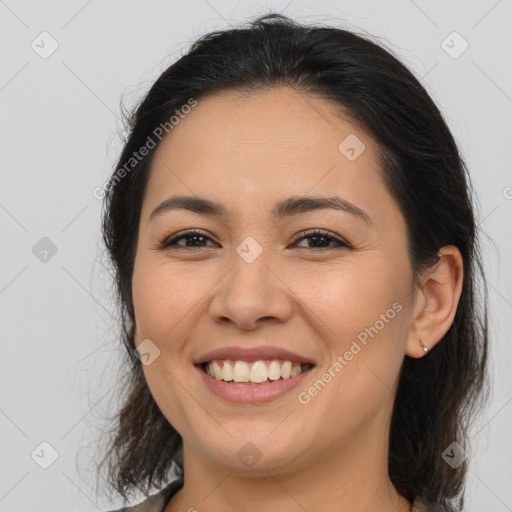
(198, 239)
(194, 237)
(320, 238)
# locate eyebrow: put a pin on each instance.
(285, 208)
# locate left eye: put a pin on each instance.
(318, 236)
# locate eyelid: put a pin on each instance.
(322, 232)
(176, 236)
(170, 241)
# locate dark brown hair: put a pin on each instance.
(438, 395)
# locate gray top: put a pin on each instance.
(157, 502)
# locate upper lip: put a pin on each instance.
(252, 354)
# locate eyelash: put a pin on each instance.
(168, 242)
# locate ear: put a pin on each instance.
(436, 301)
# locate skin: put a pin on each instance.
(247, 153)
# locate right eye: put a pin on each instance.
(194, 236)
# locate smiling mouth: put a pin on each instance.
(253, 373)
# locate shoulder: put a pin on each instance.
(420, 506)
(155, 502)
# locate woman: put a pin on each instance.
(295, 252)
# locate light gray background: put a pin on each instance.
(59, 125)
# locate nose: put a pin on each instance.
(251, 293)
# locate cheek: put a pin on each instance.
(164, 296)
(360, 314)
(349, 296)
(164, 301)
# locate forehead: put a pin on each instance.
(265, 145)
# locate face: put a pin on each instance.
(249, 278)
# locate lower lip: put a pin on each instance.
(252, 393)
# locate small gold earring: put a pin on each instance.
(425, 349)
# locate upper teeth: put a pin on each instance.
(241, 371)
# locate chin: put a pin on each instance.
(244, 454)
